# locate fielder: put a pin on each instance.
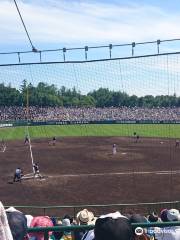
(177, 143)
(54, 141)
(3, 146)
(114, 149)
(137, 138)
(26, 140)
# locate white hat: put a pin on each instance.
(114, 215)
(173, 215)
(86, 217)
(12, 209)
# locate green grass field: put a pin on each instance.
(145, 130)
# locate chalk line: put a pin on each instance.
(118, 173)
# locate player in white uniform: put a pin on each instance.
(36, 170)
(114, 149)
(26, 140)
(3, 146)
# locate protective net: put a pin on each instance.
(114, 119)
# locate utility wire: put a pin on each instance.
(33, 48)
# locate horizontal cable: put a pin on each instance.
(86, 61)
(99, 205)
(92, 47)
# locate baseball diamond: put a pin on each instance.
(76, 168)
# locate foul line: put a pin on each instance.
(118, 173)
(30, 149)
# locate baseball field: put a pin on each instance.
(145, 130)
(81, 168)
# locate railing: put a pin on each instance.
(46, 230)
(101, 208)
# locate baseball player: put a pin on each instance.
(36, 170)
(137, 138)
(54, 141)
(3, 145)
(26, 140)
(17, 175)
(177, 143)
(114, 149)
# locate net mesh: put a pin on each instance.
(126, 101)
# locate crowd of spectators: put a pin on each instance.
(89, 114)
(113, 226)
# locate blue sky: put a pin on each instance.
(71, 23)
(59, 23)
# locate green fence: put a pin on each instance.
(46, 230)
(19, 123)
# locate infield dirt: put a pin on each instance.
(83, 170)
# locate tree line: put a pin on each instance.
(49, 95)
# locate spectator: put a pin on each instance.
(163, 215)
(153, 217)
(170, 233)
(84, 217)
(36, 114)
(40, 221)
(67, 234)
(113, 226)
(17, 222)
(57, 234)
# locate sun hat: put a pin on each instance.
(86, 217)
